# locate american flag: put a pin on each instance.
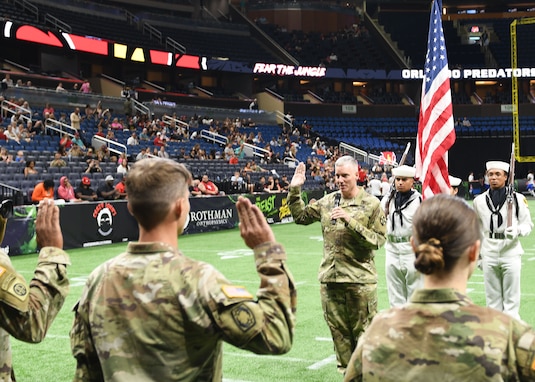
(436, 132)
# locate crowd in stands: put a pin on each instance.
(71, 161)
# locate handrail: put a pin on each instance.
(113, 79)
(285, 120)
(358, 154)
(57, 23)
(13, 108)
(97, 142)
(60, 127)
(255, 150)
(214, 137)
(153, 32)
(167, 119)
(138, 106)
(27, 6)
(175, 45)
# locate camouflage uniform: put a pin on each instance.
(152, 314)
(28, 311)
(442, 335)
(501, 257)
(402, 278)
(347, 271)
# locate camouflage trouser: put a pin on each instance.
(348, 310)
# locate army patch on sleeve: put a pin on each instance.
(243, 317)
(235, 291)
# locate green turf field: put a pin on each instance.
(311, 358)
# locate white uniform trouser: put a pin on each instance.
(402, 279)
(502, 282)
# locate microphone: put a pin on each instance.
(336, 204)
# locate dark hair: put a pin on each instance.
(48, 183)
(443, 227)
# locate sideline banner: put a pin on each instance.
(97, 223)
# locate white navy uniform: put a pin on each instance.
(501, 252)
(402, 278)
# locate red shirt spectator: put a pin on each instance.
(158, 142)
(208, 187)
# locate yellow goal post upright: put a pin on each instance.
(514, 88)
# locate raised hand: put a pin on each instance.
(299, 176)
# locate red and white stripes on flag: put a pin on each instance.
(436, 132)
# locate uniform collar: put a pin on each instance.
(444, 295)
(150, 247)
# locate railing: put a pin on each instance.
(174, 45)
(283, 118)
(139, 107)
(60, 127)
(168, 120)
(214, 137)
(57, 23)
(115, 147)
(13, 108)
(252, 150)
(358, 154)
(13, 193)
(29, 7)
(152, 32)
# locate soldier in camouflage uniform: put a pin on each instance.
(153, 314)
(27, 311)
(353, 225)
(440, 334)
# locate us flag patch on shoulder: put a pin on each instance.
(236, 291)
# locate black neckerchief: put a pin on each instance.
(495, 200)
(400, 203)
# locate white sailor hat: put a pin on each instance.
(454, 182)
(404, 171)
(498, 164)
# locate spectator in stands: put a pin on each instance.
(86, 87)
(158, 141)
(142, 154)
(385, 185)
(84, 190)
(103, 154)
(111, 135)
(99, 111)
(123, 167)
(3, 136)
(58, 161)
(259, 186)
(100, 132)
(66, 190)
(132, 140)
(75, 152)
(121, 188)
(272, 184)
(162, 153)
(284, 184)
(65, 143)
(8, 81)
(144, 135)
(94, 166)
(89, 155)
(19, 157)
(227, 153)
(77, 141)
(107, 190)
(43, 190)
(35, 127)
(48, 112)
(194, 188)
(208, 187)
(11, 134)
(466, 122)
(233, 159)
(116, 124)
(237, 184)
(5, 156)
(60, 88)
(30, 168)
(253, 105)
(76, 118)
(19, 84)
